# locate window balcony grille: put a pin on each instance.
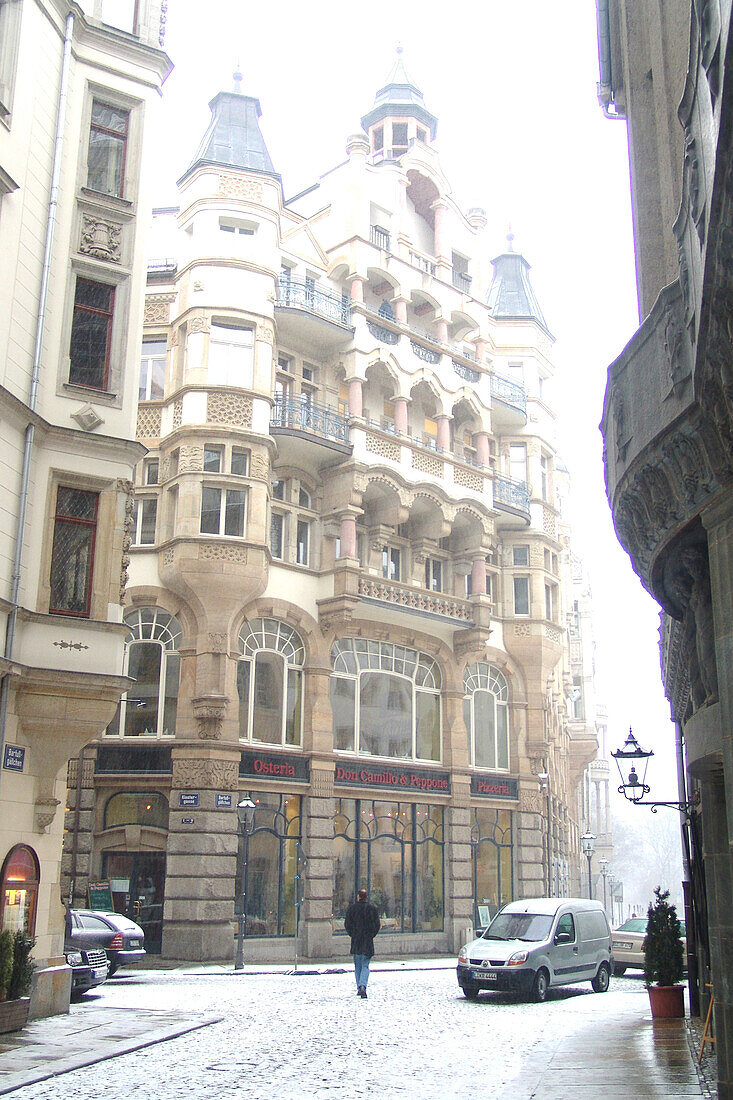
(422, 263)
(302, 294)
(468, 374)
(426, 354)
(384, 335)
(379, 237)
(462, 281)
(312, 418)
(513, 494)
(510, 393)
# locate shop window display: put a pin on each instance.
(19, 890)
(394, 850)
(491, 859)
(385, 700)
(136, 808)
(270, 853)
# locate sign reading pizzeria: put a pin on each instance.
(264, 765)
(393, 779)
(494, 786)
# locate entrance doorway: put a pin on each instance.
(137, 881)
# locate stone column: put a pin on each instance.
(718, 521)
(198, 914)
(317, 821)
(478, 576)
(528, 845)
(400, 415)
(400, 310)
(441, 330)
(356, 397)
(483, 454)
(357, 289)
(719, 875)
(348, 536)
(443, 423)
(441, 245)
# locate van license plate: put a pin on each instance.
(485, 975)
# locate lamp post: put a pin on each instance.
(544, 781)
(587, 842)
(246, 816)
(603, 864)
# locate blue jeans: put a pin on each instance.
(361, 970)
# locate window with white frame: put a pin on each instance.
(521, 595)
(434, 574)
(10, 13)
(486, 715)
(149, 708)
(121, 13)
(231, 355)
(143, 521)
(222, 511)
(391, 563)
(302, 542)
(518, 461)
(213, 459)
(107, 152)
(270, 683)
(385, 700)
(277, 535)
(545, 476)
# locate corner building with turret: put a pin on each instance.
(346, 594)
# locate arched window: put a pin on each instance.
(270, 683)
(151, 659)
(486, 714)
(385, 700)
(19, 890)
(136, 808)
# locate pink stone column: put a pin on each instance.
(400, 415)
(480, 349)
(357, 289)
(356, 404)
(441, 245)
(478, 577)
(441, 331)
(443, 440)
(348, 537)
(482, 447)
(400, 310)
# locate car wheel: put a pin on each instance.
(470, 991)
(618, 970)
(540, 985)
(602, 979)
(113, 968)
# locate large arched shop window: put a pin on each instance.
(19, 890)
(151, 659)
(491, 859)
(270, 682)
(385, 700)
(486, 714)
(136, 808)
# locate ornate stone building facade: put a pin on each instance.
(667, 420)
(75, 83)
(346, 595)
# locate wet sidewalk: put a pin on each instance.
(58, 1044)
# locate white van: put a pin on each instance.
(532, 945)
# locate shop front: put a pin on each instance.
(492, 845)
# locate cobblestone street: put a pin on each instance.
(309, 1035)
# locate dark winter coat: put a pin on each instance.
(362, 923)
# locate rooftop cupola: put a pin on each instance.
(399, 116)
(511, 297)
(233, 138)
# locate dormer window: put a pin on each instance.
(399, 136)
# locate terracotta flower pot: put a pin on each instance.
(667, 1001)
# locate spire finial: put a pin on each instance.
(510, 239)
(237, 80)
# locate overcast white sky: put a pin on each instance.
(520, 133)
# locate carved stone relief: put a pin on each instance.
(695, 192)
(199, 322)
(240, 188)
(126, 541)
(229, 408)
(205, 775)
(214, 551)
(190, 458)
(675, 348)
(101, 238)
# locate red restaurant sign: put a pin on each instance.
(396, 779)
(494, 786)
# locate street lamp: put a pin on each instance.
(587, 842)
(603, 864)
(246, 816)
(635, 786)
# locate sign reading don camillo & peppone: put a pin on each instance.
(424, 780)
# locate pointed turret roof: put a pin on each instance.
(400, 97)
(234, 139)
(511, 297)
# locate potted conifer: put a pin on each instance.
(16, 975)
(664, 958)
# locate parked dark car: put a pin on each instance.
(122, 939)
(89, 963)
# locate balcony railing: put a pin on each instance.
(306, 416)
(303, 295)
(462, 281)
(467, 373)
(379, 237)
(413, 599)
(384, 335)
(514, 494)
(423, 263)
(511, 393)
(426, 354)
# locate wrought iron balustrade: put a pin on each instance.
(379, 237)
(426, 354)
(304, 295)
(384, 335)
(307, 416)
(467, 373)
(423, 263)
(515, 494)
(462, 281)
(415, 599)
(511, 393)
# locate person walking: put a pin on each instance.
(362, 924)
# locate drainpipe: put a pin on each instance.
(36, 371)
(605, 85)
(687, 868)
